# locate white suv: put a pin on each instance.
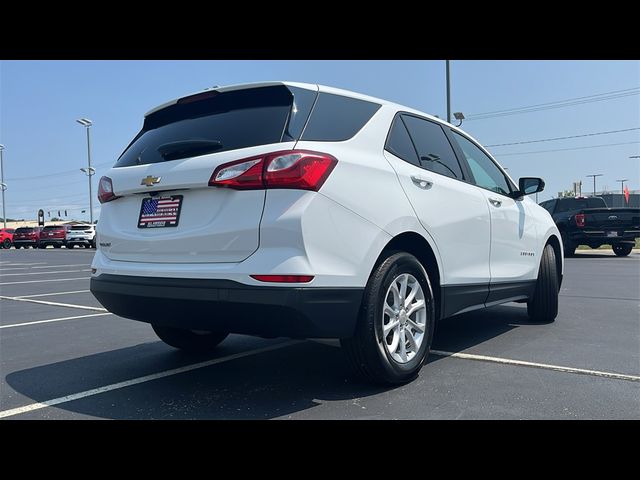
(288, 209)
(84, 235)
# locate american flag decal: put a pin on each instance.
(160, 212)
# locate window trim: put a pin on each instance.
(463, 166)
(460, 152)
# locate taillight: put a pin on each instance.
(296, 169)
(283, 278)
(241, 175)
(580, 220)
(105, 190)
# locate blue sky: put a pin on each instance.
(45, 148)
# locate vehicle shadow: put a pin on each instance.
(272, 384)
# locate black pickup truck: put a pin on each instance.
(588, 221)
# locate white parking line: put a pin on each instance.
(55, 304)
(43, 273)
(545, 366)
(22, 264)
(52, 294)
(43, 281)
(139, 380)
(35, 322)
(46, 266)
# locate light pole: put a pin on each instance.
(594, 181)
(448, 94)
(3, 187)
(85, 122)
(622, 189)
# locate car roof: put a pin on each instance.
(314, 87)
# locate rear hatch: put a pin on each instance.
(79, 231)
(53, 232)
(25, 234)
(166, 211)
(611, 218)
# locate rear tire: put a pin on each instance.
(189, 340)
(18, 247)
(622, 250)
(6, 243)
(395, 356)
(567, 245)
(543, 307)
(55, 245)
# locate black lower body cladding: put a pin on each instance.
(228, 306)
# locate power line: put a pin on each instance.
(63, 172)
(554, 102)
(540, 109)
(565, 149)
(557, 104)
(562, 138)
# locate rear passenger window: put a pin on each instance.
(399, 143)
(336, 118)
(434, 150)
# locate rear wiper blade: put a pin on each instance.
(188, 148)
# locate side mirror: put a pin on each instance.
(529, 185)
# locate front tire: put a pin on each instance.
(191, 341)
(622, 250)
(396, 322)
(6, 243)
(543, 307)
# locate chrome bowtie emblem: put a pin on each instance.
(150, 180)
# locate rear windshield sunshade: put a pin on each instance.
(215, 122)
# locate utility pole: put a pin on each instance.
(622, 189)
(448, 94)
(594, 181)
(3, 187)
(89, 171)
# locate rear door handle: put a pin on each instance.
(421, 182)
(495, 202)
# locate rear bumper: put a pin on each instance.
(25, 242)
(52, 241)
(80, 241)
(225, 305)
(600, 237)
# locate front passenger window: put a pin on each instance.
(486, 173)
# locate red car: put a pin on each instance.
(6, 237)
(26, 237)
(55, 235)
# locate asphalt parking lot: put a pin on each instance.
(63, 357)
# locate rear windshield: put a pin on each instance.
(81, 227)
(25, 230)
(54, 227)
(566, 204)
(213, 122)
